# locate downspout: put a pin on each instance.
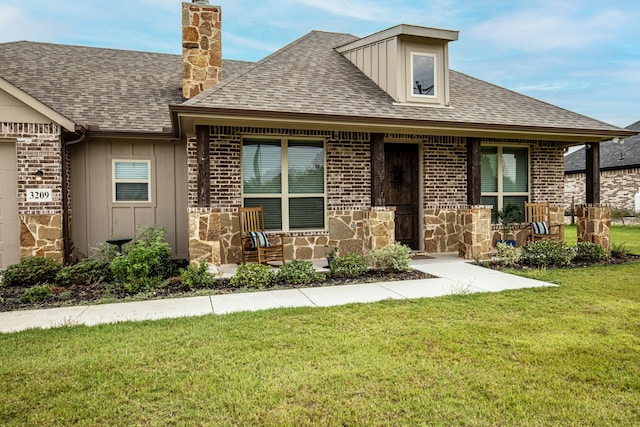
(66, 233)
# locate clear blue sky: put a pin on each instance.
(583, 55)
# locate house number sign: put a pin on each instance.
(39, 194)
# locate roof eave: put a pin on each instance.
(226, 116)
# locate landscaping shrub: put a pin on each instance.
(145, 263)
(396, 257)
(546, 253)
(590, 252)
(619, 250)
(37, 293)
(86, 272)
(298, 272)
(196, 276)
(105, 253)
(510, 256)
(30, 272)
(349, 265)
(257, 276)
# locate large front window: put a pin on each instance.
(285, 177)
(505, 176)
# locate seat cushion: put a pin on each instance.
(540, 227)
(259, 239)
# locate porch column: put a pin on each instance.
(594, 224)
(204, 178)
(592, 179)
(377, 169)
(474, 188)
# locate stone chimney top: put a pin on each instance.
(201, 47)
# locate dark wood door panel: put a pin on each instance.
(401, 189)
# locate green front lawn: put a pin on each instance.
(629, 235)
(566, 355)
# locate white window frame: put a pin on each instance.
(115, 181)
(284, 194)
(413, 54)
(500, 194)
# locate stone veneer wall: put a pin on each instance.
(38, 147)
(201, 47)
(463, 229)
(617, 188)
(594, 224)
(475, 242)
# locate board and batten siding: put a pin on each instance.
(9, 220)
(96, 217)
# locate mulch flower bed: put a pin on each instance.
(108, 292)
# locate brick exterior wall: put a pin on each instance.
(444, 165)
(38, 147)
(617, 188)
(547, 173)
(348, 171)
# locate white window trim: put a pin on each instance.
(114, 181)
(284, 195)
(412, 79)
(500, 194)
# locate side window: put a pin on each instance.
(131, 181)
(505, 176)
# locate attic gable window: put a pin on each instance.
(423, 76)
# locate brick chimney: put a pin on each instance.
(201, 47)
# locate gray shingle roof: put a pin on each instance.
(309, 76)
(115, 89)
(131, 91)
(612, 156)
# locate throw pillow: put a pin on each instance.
(259, 239)
(540, 227)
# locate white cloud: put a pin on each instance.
(551, 26)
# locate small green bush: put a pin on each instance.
(298, 272)
(145, 263)
(197, 276)
(37, 293)
(104, 252)
(619, 250)
(591, 252)
(396, 257)
(258, 276)
(510, 256)
(86, 272)
(30, 272)
(349, 265)
(547, 253)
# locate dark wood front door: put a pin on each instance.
(401, 189)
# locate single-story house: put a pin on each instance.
(619, 173)
(352, 142)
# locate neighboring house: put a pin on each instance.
(619, 173)
(346, 141)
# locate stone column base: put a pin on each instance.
(594, 224)
(204, 238)
(41, 235)
(475, 242)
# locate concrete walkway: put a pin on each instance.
(455, 276)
